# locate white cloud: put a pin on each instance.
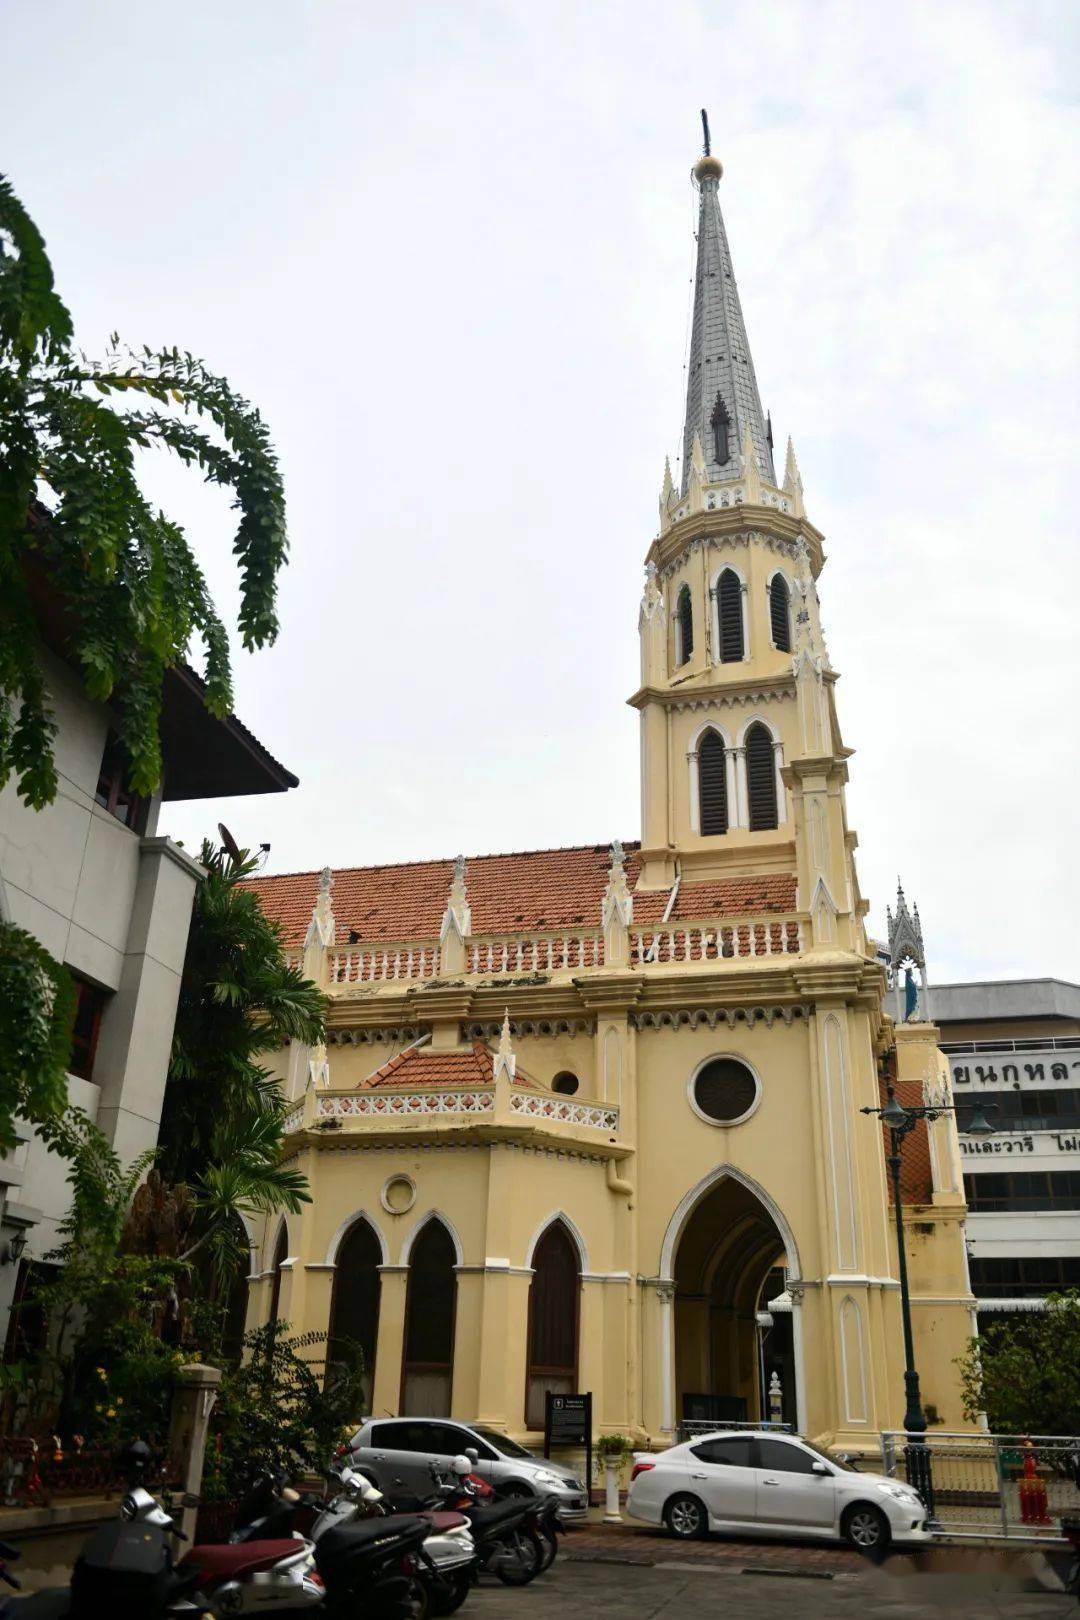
(448, 254)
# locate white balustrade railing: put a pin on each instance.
(369, 964)
(536, 953)
(538, 1105)
(294, 1119)
(570, 950)
(716, 942)
(377, 1104)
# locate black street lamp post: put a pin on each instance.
(901, 1121)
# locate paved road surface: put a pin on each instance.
(681, 1590)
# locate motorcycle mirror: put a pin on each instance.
(472, 1454)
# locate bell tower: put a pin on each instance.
(742, 765)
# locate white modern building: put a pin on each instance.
(1014, 1045)
(108, 896)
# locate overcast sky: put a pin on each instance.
(447, 251)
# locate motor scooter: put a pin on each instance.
(123, 1570)
(504, 1532)
(450, 1546)
(289, 1574)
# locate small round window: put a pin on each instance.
(566, 1083)
(724, 1091)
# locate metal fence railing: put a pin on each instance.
(1002, 1485)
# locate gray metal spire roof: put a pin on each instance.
(720, 366)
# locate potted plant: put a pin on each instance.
(612, 1451)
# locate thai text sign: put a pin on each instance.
(1017, 1146)
(1017, 1069)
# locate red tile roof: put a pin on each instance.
(541, 888)
(916, 1175)
(419, 1066)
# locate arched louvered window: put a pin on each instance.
(729, 611)
(427, 1373)
(553, 1322)
(281, 1254)
(684, 617)
(760, 778)
(712, 785)
(354, 1308)
(780, 612)
(721, 426)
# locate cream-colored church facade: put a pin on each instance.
(591, 1118)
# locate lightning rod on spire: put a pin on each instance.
(705, 128)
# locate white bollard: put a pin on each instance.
(611, 1494)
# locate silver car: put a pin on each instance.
(398, 1453)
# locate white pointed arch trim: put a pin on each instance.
(780, 573)
(690, 1201)
(708, 725)
(724, 567)
(425, 1220)
(782, 808)
(252, 1243)
(559, 1217)
(756, 720)
(694, 786)
(346, 1227)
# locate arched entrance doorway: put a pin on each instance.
(728, 1263)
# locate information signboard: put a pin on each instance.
(568, 1422)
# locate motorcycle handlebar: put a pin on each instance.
(12, 1580)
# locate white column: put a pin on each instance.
(798, 1351)
(781, 795)
(732, 785)
(746, 619)
(695, 796)
(665, 1293)
(742, 812)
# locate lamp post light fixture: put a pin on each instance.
(13, 1251)
(901, 1120)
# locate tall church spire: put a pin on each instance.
(722, 398)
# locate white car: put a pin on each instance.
(766, 1484)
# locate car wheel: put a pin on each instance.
(515, 1488)
(866, 1528)
(686, 1518)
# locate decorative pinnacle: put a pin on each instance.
(505, 1059)
(326, 880)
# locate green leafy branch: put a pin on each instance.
(130, 591)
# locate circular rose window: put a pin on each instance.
(398, 1195)
(724, 1091)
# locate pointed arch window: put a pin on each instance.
(761, 778)
(780, 612)
(684, 624)
(427, 1373)
(729, 612)
(281, 1252)
(553, 1321)
(354, 1306)
(712, 785)
(721, 426)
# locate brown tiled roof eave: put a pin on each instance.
(422, 1068)
(528, 891)
(916, 1173)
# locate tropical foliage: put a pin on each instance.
(37, 1001)
(129, 590)
(1024, 1373)
(279, 1409)
(240, 1001)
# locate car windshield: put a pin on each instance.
(834, 1462)
(505, 1447)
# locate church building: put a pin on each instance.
(590, 1118)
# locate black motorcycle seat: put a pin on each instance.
(489, 1515)
(368, 1532)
